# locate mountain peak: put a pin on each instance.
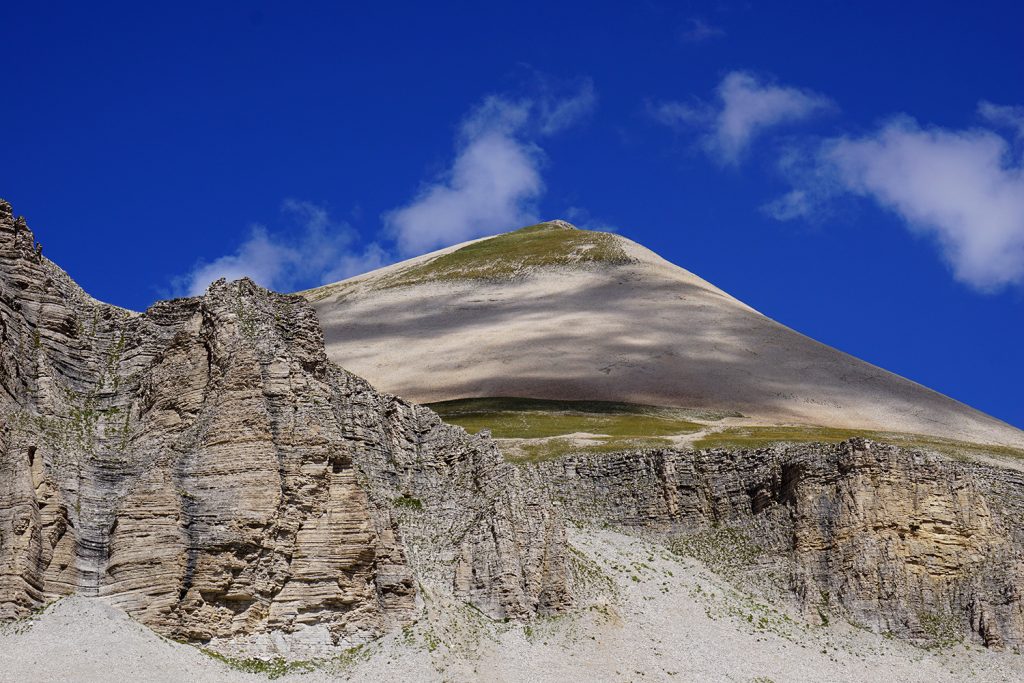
(511, 255)
(556, 223)
(552, 313)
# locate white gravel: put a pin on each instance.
(85, 639)
(647, 616)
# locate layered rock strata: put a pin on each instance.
(205, 467)
(902, 542)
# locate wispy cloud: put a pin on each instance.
(744, 108)
(582, 218)
(962, 188)
(697, 30)
(494, 181)
(316, 250)
(492, 184)
(1002, 115)
(816, 186)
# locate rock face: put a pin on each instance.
(902, 542)
(207, 468)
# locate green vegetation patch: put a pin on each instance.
(271, 668)
(539, 427)
(735, 438)
(941, 629)
(408, 502)
(279, 666)
(762, 437)
(519, 418)
(505, 256)
(724, 549)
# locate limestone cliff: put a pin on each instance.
(206, 467)
(899, 541)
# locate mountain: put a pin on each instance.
(553, 312)
(203, 472)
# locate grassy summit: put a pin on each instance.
(511, 254)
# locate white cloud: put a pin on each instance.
(493, 184)
(745, 107)
(793, 204)
(558, 113)
(815, 185)
(960, 187)
(349, 264)
(316, 251)
(1002, 115)
(495, 180)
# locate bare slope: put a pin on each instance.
(554, 312)
(650, 615)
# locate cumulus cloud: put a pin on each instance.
(744, 108)
(962, 188)
(317, 250)
(494, 181)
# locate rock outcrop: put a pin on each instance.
(206, 467)
(900, 541)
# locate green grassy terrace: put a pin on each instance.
(542, 425)
(513, 418)
(738, 438)
(533, 430)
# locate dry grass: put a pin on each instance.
(513, 418)
(511, 254)
(735, 438)
(533, 430)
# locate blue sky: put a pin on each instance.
(853, 170)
